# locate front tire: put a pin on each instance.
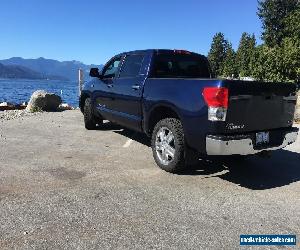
(90, 120)
(168, 145)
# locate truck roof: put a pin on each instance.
(160, 51)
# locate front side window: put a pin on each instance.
(132, 66)
(111, 69)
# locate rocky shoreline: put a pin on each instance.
(7, 115)
(10, 106)
(40, 101)
(11, 112)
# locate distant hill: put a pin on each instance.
(21, 72)
(48, 68)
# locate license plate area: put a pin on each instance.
(262, 138)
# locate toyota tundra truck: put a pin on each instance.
(172, 97)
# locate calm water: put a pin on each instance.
(20, 90)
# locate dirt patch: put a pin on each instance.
(66, 174)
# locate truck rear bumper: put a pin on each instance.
(245, 144)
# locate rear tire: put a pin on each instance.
(90, 121)
(168, 145)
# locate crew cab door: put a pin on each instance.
(102, 93)
(127, 92)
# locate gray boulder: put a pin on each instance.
(43, 101)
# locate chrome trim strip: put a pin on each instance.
(242, 146)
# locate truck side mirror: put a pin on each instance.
(94, 72)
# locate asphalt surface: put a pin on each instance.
(63, 187)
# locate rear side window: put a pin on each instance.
(132, 66)
(180, 66)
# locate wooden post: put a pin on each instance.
(80, 80)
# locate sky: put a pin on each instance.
(92, 31)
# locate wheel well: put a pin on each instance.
(158, 114)
(82, 101)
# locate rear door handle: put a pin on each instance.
(135, 87)
(110, 85)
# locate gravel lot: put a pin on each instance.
(63, 187)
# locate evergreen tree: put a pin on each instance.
(244, 54)
(280, 61)
(267, 64)
(272, 14)
(217, 53)
(291, 46)
(229, 65)
(290, 50)
(292, 24)
(279, 64)
(257, 66)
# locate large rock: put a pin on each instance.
(43, 101)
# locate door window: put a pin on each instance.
(112, 68)
(132, 66)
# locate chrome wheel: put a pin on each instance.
(165, 145)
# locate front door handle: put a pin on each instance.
(110, 85)
(136, 87)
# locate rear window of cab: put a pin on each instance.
(180, 66)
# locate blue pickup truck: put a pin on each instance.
(172, 96)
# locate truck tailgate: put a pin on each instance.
(258, 106)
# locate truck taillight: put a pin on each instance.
(216, 99)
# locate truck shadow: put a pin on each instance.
(256, 173)
(138, 137)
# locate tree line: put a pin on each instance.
(277, 59)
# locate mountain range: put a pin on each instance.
(21, 72)
(42, 68)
